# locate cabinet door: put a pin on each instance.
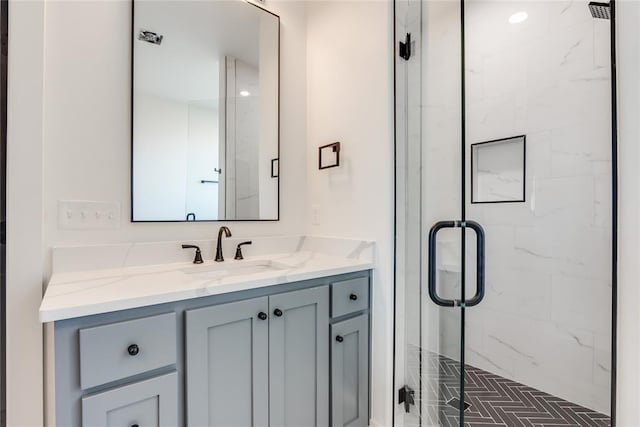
(299, 358)
(150, 403)
(350, 372)
(227, 365)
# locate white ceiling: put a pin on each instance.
(197, 36)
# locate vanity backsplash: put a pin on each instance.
(66, 259)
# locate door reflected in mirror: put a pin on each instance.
(205, 111)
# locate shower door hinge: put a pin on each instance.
(406, 395)
(405, 48)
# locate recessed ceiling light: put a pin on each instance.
(518, 17)
(244, 93)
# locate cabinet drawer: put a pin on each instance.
(150, 403)
(119, 350)
(349, 296)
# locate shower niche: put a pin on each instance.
(498, 170)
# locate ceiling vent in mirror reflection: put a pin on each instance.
(150, 37)
(518, 17)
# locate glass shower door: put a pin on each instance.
(431, 233)
(503, 128)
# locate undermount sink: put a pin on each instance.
(239, 268)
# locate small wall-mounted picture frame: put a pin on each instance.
(329, 156)
(275, 168)
(498, 170)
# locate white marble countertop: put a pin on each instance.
(83, 293)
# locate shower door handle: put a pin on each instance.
(480, 263)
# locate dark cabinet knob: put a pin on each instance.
(133, 350)
(339, 338)
(277, 312)
(353, 297)
(136, 425)
(262, 315)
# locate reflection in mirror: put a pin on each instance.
(498, 170)
(205, 111)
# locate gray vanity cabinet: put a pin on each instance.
(245, 367)
(299, 358)
(227, 364)
(350, 372)
(263, 357)
(150, 403)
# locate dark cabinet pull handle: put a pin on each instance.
(339, 338)
(133, 350)
(353, 297)
(277, 312)
(480, 263)
(134, 425)
(262, 315)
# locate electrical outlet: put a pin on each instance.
(315, 214)
(86, 215)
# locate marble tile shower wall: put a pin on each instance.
(546, 318)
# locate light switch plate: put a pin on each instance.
(88, 215)
(315, 214)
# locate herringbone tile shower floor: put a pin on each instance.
(494, 400)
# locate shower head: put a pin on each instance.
(150, 37)
(600, 10)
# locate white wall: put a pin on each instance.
(350, 99)
(628, 53)
(268, 118)
(80, 150)
(161, 134)
(24, 215)
(176, 147)
(202, 158)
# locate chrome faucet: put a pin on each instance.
(219, 254)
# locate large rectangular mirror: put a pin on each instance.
(205, 111)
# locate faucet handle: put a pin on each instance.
(239, 249)
(198, 257)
